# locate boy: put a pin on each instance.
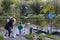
(20, 27)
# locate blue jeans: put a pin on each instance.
(19, 32)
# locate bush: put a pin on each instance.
(1, 37)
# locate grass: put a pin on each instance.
(1, 37)
(53, 37)
(29, 36)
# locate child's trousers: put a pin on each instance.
(19, 32)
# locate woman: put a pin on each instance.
(9, 26)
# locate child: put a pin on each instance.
(20, 27)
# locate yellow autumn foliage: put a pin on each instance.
(48, 9)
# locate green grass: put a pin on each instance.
(53, 37)
(29, 36)
(41, 36)
(1, 37)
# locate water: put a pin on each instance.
(26, 30)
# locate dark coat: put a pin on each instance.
(9, 25)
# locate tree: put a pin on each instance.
(36, 7)
(23, 9)
(56, 5)
(6, 5)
